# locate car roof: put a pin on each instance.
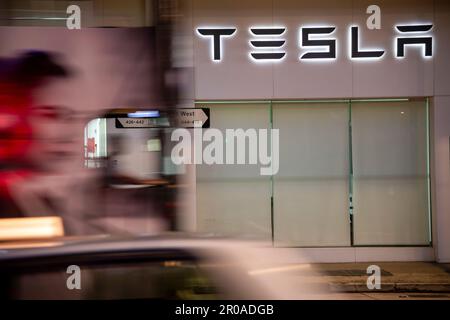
(109, 244)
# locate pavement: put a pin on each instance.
(385, 296)
(396, 277)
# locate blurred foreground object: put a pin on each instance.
(30, 228)
(163, 267)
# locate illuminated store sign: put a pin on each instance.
(317, 42)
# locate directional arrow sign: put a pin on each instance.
(186, 118)
(179, 118)
(141, 122)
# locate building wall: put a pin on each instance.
(236, 77)
(441, 132)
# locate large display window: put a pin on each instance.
(351, 173)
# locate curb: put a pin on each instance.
(391, 287)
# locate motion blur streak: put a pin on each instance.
(280, 269)
(30, 228)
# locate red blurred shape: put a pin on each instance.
(91, 145)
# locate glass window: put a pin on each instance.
(390, 176)
(311, 188)
(234, 199)
(366, 160)
(163, 279)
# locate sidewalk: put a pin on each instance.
(395, 276)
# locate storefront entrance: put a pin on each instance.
(351, 173)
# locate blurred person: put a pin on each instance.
(41, 150)
(31, 144)
(41, 171)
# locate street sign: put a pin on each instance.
(186, 118)
(141, 122)
(179, 118)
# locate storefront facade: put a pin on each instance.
(363, 117)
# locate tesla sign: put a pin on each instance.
(267, 44)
